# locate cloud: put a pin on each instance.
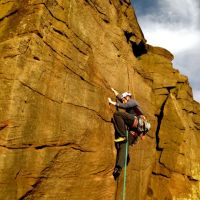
(175, 25)
(190, 59)
(197, 94)
(184, 12)
(177, 40)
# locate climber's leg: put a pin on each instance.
(121, 155)
(120, 160)
(121, 119)
(119, 124)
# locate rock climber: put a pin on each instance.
(132, 118)
(121, 119)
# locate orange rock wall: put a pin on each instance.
(58, 60)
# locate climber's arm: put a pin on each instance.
(130, 104)
(111, 102)
(115, 91)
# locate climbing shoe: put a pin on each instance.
(117, 172)
(120, 139)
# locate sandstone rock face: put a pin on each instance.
(58, 60)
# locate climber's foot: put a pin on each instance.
(117, 172)
(120, 139)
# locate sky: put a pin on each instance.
(175, 26)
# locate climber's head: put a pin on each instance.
(126, 96)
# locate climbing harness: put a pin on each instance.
(125, 167)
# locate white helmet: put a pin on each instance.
(125, 94)
(143, 125)
(147, 126)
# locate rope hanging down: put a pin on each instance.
(125, 166)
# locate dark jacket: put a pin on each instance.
(131, 107)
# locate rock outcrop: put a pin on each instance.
(58, 60)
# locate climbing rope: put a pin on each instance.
(125, 166)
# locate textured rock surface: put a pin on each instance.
(58, 60)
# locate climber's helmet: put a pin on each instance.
(143, 125)
(147, 126)
(125, 94)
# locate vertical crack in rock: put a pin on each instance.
(159, 120)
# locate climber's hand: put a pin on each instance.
(143, 137)
(111, 102)
(143, 117)
(115, 91)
